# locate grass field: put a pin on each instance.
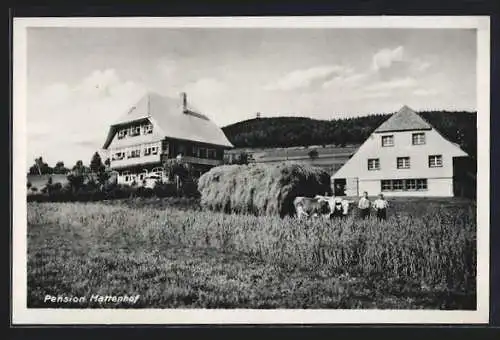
(174, 255)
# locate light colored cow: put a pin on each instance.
(339, 207)
(307, 206)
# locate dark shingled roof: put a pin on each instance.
(404, 120)
(172, 120)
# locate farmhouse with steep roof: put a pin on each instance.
(405, 156)
(160, 128)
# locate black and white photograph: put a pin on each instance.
(251, 170)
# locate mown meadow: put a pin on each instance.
(178, 255)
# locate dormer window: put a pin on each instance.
(147, 129)
(388, 140)
(122, 134)
(418, 138)
(135, 131)
(118, 156)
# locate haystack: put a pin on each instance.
(261, 189)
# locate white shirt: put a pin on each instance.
(380, 204)
(364, 203)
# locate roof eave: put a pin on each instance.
(403, 130)
(109, 138)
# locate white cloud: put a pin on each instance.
(306, 77)
(377, 94)
(56, 93)
(72, 121)
(386, 57)
(99, 83)
(425, 92)
(394, 84)
(421, 65)
(208, 95)
(167, 66)
(205, 87)
(346, 81)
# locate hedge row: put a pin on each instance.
(57, 193)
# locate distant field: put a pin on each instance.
(175, 256)
(40, 181)
(330, 157)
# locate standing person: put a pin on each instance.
(338, 211)
(380, 205)
(364, 205)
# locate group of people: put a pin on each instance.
(380, 205)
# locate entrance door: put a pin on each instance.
(339, 186)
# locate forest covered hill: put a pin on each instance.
(458, 126)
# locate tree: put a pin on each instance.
(60, 168)
(40, 167)
(79, 169)
(99, 169)
(77, 176)
(176, 167)
(96, 165)
(75, 181)
(35, 170)
(103, 176)
(179, 171)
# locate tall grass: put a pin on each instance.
(434, 247)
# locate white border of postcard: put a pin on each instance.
(23, 315)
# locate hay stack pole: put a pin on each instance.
(261, 189)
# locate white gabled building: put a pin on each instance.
(405, 156)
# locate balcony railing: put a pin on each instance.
(204, 161)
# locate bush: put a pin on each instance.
(93, 191)
(144, 192)
(261, 189)
(189, 189)
(119, 191)
(165, 190)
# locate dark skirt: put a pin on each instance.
(336, 214)
(381, 214)
(365, 213)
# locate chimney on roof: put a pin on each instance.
(184, 102)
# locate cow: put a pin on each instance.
(339, 207)
(307, 206)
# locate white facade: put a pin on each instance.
(136, 145)
(424, 168)
(135, 154)
(157, 129)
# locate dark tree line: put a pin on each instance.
(459, 127)
(40, 167)
(95, 174)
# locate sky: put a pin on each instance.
(79, 80)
